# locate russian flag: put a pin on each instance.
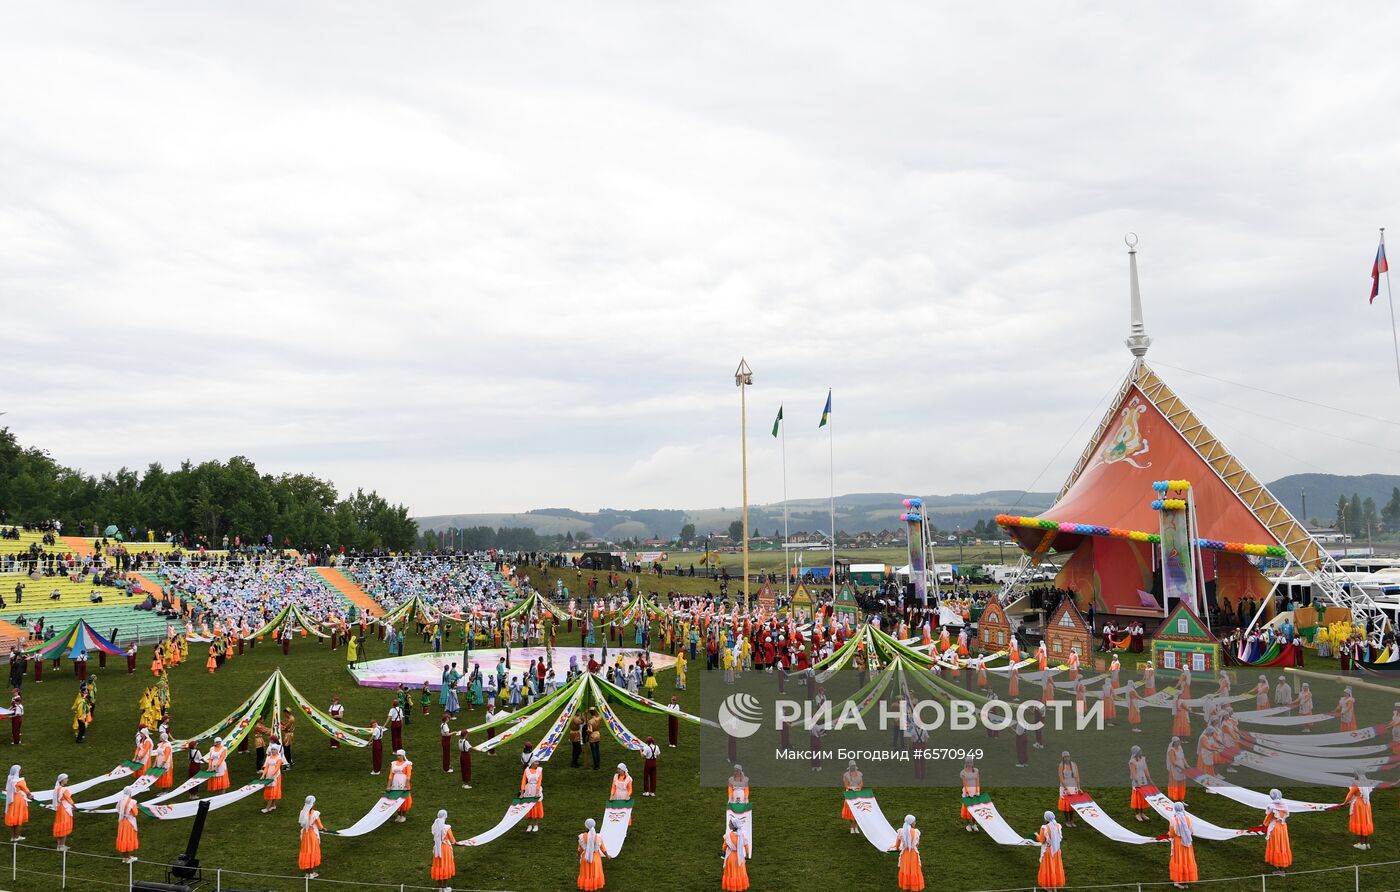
(1380, 266)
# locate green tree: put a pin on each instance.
(1355, 526)
(736, 530)
(1341, 522)
(1370, 520)
(1391, 512)
(687, 534)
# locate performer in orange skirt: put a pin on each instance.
(971, 778)
(16, 804)
(591, 852)
(1138, 777)
(1051, 874)
(1277, 851)
(309, 857)
(911, 867)
(272, 770)
(217, 762)
(444, 865)
(852, 779)
(1134, 711)
(1183, 863)
(1346, 711)
(1176, 770)
(401, 778)
(165, 759)
(127, 840)
(213, 662)
(1359, 802)
(532, 784)
(736, 854)
(1181, 717)
(1068, 772)
(63, 812)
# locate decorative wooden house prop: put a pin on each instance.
(1182, 641)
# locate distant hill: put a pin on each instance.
(1324, 489)
(872, 511)
(855, 513)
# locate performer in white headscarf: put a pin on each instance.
(63, 812)
(591, 852)
(1051, 874)
(911, 868)
(309, 820)
(1278, 853)
(736, 854)
(16, 804)
(444, 865)
(1183, 862)
(127, 840)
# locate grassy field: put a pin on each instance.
(800, 841)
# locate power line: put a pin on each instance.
(1073, 434)
(1286, 396)
(1311, 430)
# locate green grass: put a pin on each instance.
(800, 841)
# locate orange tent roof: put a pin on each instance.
(1149, 434)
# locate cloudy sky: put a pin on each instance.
(489, 257)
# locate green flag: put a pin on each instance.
(777, 422)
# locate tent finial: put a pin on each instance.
(1137, 341)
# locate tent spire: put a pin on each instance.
(1137, 341)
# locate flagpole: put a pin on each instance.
(1390, 299)
(787, 559)
(831, 479)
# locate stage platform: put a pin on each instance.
(414, 669)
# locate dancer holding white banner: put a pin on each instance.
(309, 855)
(1138, 776)
(1051, 874)
(911, 866)
(591, 852)
(1183, 863)
(128, 841)
(737, 850)
(1359, 820)
(852, 780)
(532, 787)
(1068, 772)
(1278, 853)
(63, 812)
(444, 862)
(971, 777)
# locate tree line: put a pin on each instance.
(1357, 517)
(198, 504)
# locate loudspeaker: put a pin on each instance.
(186, 866)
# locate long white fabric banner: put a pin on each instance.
(188, 809)
(143, 783)
(617, 819)
(1288, 720)
(1199, 826)
(1257, 800)
(514, 815)
(126, 769)
(1291, 770)
(375, 818)
(873, 824)
(744, 818)
(1283, 741)
(985, 813)
(173, 792)
(1085, 806)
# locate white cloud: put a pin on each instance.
(488, 259)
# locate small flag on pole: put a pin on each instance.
(826, 412)
(1380, 266)
(778, 421)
